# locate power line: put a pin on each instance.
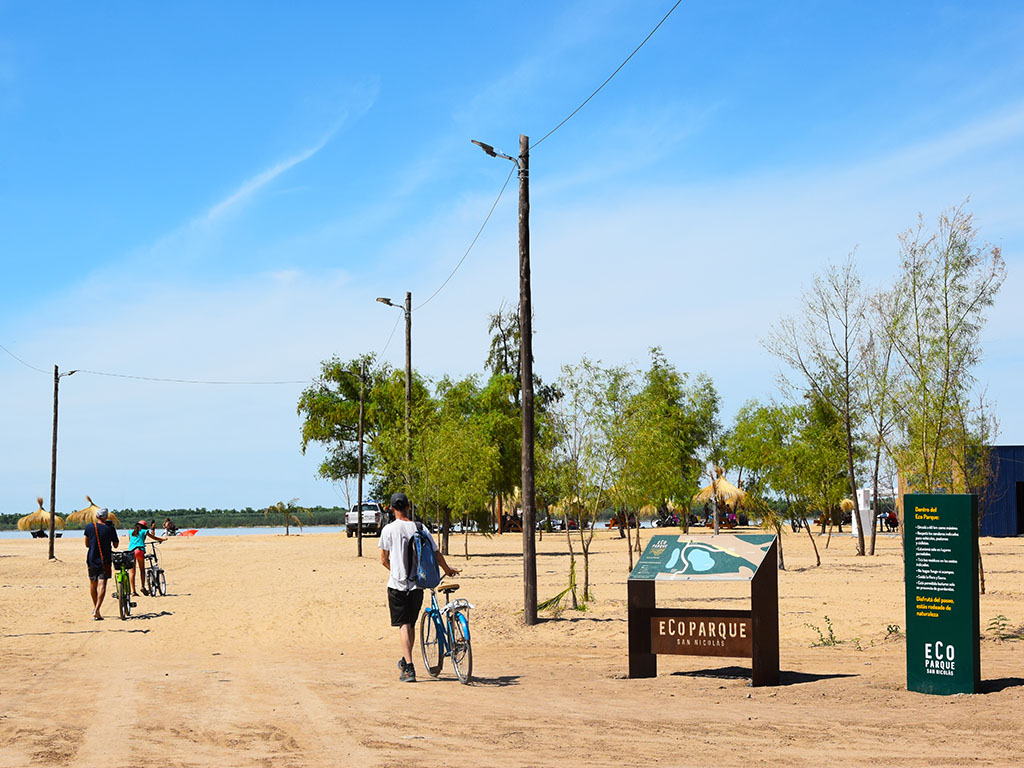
(186, 381)
(613, 74)
(475, 238)
(27, 365)
(388, 342)
(152, 378)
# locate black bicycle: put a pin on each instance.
(156, 581)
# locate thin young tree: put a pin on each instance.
(824, 346)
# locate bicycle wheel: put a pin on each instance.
(161, 581)
(124, 595)
(430, 644)
(461, 651)
(151, 581)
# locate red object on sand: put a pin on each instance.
(190, 532)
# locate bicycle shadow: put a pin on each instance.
(152, 615)
(502, 681)
(78, 632)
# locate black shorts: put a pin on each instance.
(405, 606)
(97, 572)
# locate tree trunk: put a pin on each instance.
(981, 569)
(629, 539)
(446, 521)
(465, 537)
(817, 557)
(874, 505)
(572, 564)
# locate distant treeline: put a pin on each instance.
(206, 518)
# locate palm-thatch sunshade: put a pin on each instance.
(727, 494)
(39, 519)
(88, 515)
(847, 505)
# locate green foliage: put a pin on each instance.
(289, 513)
(934, 318)
(999, 627)
(824, 639)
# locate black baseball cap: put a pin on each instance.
(400, 501)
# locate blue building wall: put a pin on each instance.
(1004, 502)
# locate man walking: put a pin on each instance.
(100, 536)
(404, 598)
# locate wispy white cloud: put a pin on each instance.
(253, 185)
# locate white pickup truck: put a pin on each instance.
(375, 517)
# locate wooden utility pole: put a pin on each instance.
(408, 386)
(526, 383)
(53, 460)
(359, 480)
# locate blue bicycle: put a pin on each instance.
(444, 631)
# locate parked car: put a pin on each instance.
(375, 517)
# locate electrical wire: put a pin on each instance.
(613, 74)
(186, 381)
(388, 342)
(152, 378)
(475, 238)
(27, 365)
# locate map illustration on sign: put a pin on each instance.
(726, 557)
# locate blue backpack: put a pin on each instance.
(421, 560)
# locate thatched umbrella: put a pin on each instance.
(727, 494)
(847, 505)
(40, 519)
(88, 515)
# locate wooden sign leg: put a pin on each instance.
(640, 595)
(764, 605)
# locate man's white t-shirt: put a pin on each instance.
(394, 538)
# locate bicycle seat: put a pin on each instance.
(447, 588)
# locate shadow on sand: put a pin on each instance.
(743, 673)
(1000, 684)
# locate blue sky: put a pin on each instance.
(220, 190)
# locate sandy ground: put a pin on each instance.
(276, 651)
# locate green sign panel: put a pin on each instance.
(943, 648)
(726, 557)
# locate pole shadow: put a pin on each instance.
(743, 673)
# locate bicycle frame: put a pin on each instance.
(444, 619)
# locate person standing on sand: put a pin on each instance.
(137, 546)
(100, 536)
(404, 598)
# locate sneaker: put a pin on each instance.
(401, 663)
(408, 674)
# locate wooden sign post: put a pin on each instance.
(752, 634)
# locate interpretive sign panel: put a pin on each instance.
(943, 647)
(752, 634)
(726, 557)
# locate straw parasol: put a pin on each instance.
(39, 519)
(728, 495)
(88, 515)
(846, 505)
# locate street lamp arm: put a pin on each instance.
(495, 153)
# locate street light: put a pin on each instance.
(526, 375)
(408, 377)
(57, 375)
